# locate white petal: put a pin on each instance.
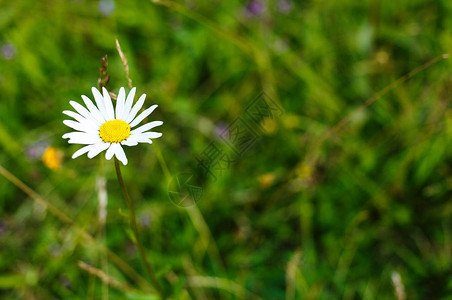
(146, 127)
(143, 140)
(81, 110)
(111, 151)
(136, 108)
(129, 142)
(74, 115)
(82, 138)
(100, 103)
(85, 126)
(121, 155)
(132, 140)
(94, 110)
(108, 104)
(85, 141)
(82, 151)
(120, 101)
(151, 135)
(98, 148)
(75, 134)
(128, 105)
(143, 115)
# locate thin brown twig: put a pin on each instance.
(106, 278)
(124, 62)
(104, 77)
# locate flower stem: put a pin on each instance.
(133, 225)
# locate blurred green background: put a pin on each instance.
(362, 213)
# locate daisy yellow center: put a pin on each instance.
(114, 131)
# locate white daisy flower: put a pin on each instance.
(102, 127)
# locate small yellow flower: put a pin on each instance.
(291, 121)
(52, 158)
(303, 171)
(269, 125)
(266, 180)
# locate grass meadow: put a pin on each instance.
(342, 189)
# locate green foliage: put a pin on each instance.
(302, 214)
